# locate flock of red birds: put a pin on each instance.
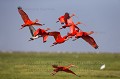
(66, 22)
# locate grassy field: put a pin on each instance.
(38, 65)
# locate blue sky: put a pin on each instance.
(101, 16)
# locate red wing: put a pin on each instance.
(61, 19)
(55, 34)
(90, 40)
(45, 37)
(70, 71)
(38, 24)
(72, 29)
(23, 14)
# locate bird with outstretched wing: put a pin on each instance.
(26, 19)
(86, 36)
(58, 38)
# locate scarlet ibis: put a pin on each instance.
(67, 19)
(63, 19)
(26, 19)
(39, 33)
(58, 38)
(63, 68)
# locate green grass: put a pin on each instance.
(38, 65)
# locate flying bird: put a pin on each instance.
(58, 38)
(102, 67)
(63, 68)
(27, 21)
(63, 19)
(39, 33)
(66, 19)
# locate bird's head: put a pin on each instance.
(66, 15)
(19, 7)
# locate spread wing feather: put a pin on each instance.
(23, 14)
(90, 40)
(55, 34)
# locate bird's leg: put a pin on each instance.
(70, 71)
(74, 39)
(63, 27)
(57, 21)
(22, 26)
(36, 20)
(89, 33)
(72, 15)
(53, 73)
(43, 24)
(52, 45)
(60, 28)
(78, 23)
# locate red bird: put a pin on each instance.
(84, 35)
(63, 68)
(67, 19)
(39, 33)
(63, 19)
(26, 19)
(58, 38)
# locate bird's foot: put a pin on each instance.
(44, 41)
(60, 28)
(74, 39)
(43, 24)
(57, 21)
(31, 39)
(51, 45)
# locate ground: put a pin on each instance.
(20, 65)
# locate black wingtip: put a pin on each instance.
(19, 7)
(43, 24)
(96, 47)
